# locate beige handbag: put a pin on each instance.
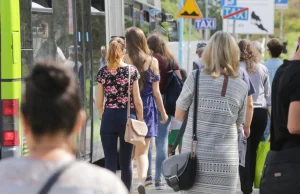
(135, 131)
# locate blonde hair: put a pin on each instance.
(115, 53)
(221, 56)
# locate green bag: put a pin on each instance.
(261, 155)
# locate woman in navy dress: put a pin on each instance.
(139, 55)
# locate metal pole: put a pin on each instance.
(189, 44)
(206, 16)
(281, 24)
(234, 29)
(180, 50)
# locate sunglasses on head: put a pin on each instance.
(122, 37)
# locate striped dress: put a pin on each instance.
(217, 148)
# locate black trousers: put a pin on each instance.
(258, 126)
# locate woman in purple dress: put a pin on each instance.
(139, 55)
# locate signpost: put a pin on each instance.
(231, 3)
(261, 17)
(281, 4)
(235, 13)
(205, 23)
(190, 10)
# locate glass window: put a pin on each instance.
(127, 10)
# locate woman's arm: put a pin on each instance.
(249, 115)
(138, 103)
(157, 94)
(180, 114)
(186, 97)
(100, 100)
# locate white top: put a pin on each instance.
(28, 176)
(175, 124)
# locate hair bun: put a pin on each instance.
(50, 80)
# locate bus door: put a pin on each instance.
(50, 30)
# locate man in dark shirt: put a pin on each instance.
(285, 131)
(281, 172)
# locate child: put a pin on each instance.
(175, 125)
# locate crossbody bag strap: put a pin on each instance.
(183, 126)
(129, 93)
(195, 107)
(52, 180)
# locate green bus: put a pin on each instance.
(45, 29)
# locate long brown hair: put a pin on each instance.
(249, 54)
(138, 50)
(157, 44)
(115, 52)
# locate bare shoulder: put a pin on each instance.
(154, 64)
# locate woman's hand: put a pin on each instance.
(246, 130)
(165, 118)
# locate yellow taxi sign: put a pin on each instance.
(190, 10)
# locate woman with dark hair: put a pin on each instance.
(139, 55)
(52, 117)
(164, 57)
(112, 107)
(259, 76)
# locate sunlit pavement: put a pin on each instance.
(151, 189)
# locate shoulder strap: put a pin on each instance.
(51, 181)
(151, 61)
(171, 65)
(129, 92)
(225, 85)
(183, 126)
(195, 107)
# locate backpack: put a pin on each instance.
(173, 90)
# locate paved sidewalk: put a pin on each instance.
(151, 189)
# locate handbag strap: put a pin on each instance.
(183, 126)
(129, 93)
(52, 180)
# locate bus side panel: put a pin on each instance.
(10, 42)
(10, 66)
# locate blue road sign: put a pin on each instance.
(281, 1)
(231, 3)
(281, 4)
(206, 23)
(235, 13)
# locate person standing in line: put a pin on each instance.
(281, 172)
(112, 107)
(164, 57)
(52, 116)
(222, 98)
(275, 48)
(259, 76)
(261, 50)
(103, 61)
(200, 49)
(140, 56)
(175, 125)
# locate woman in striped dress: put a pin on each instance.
(221, 107)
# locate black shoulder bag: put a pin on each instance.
(180, 171)
(52, 180)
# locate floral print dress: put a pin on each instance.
(115, 85)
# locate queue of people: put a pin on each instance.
(234, 93)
